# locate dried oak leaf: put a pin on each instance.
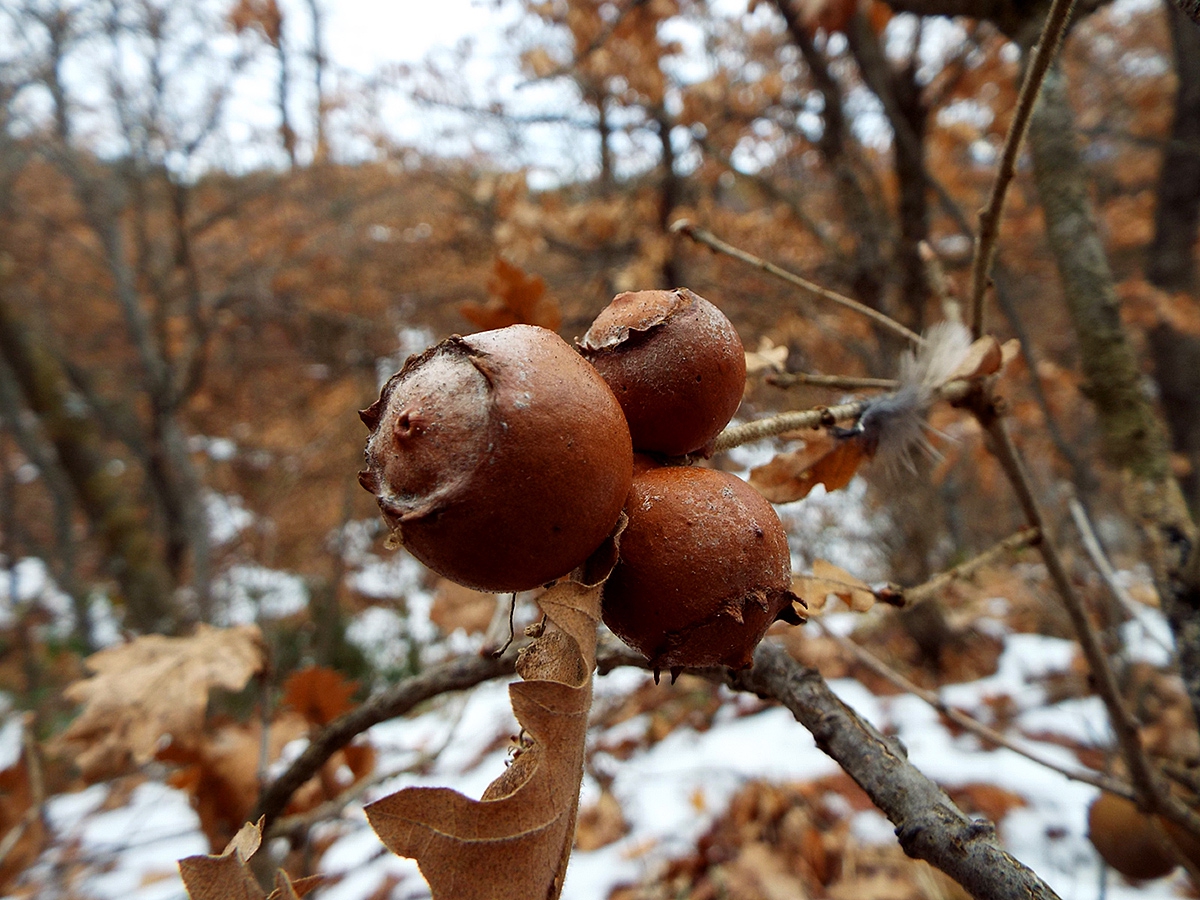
(319, 694)
(767, 358)
(228, 877)
(513, 844)
(155, 686)
(824, 459)
(829, 579)
(517, 299)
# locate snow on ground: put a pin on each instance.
(670, 792)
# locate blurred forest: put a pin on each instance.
(191, 314)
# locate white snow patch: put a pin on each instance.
(11, 732)
(227, 517)
(28, 582)
(249, 594)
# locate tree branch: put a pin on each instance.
(989, 219)
(700, 236)
(928, 824)
(454, 675)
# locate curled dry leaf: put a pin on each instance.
(824, 459)
(829, 579)
(155, 686)
(513, 844)
(228, 877)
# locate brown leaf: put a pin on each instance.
(20, 825)
(823, 459)
(156, 686)
(1009, 351)
(455, 606)
(225, 877)
(228, 876)
(767, 358)
(829, 579)
(221, 772)
(601, 824)
(515, 841)
(517, 298)
(984, 357)
(319, 694)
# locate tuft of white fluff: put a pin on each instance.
(893, 428)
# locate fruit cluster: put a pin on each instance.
(503, 460)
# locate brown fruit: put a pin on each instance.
(501, 460)
(704, 569)
(1127, 839)
(675, 363)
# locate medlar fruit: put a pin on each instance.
(1127, 839)
(675, 363)
(704, 570)
(501, 460)
(1134, 843)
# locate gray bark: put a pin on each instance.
(1133, 438)
(1171, 258)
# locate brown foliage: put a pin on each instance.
(517, 299)
(824, 459)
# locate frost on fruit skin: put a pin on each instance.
(704, 570)
(501, 460)
(676, 364)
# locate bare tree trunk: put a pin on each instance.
(1190, 8)
(870, 264)
(319, 60)
(1133, 438)
(668, 197)
(283, 95)
(168, 459)
(906, 112)
(137, 564)
(62, 556)
(1171, 258)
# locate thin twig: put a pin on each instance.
(821, 416)
(454, 675)
(700, 236)
(970, 723)
(928, 824)
(1152, 793)
(837, 382)
(989, 217)
(1091, 543)
(1026, 537)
